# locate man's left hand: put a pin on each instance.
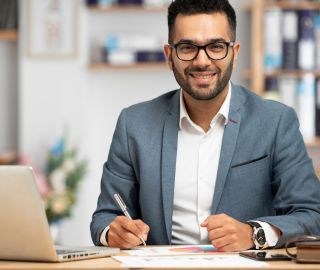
(227, 233)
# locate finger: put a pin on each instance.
(216, 233)
(227, 248)
(223, 241)
(129, 238)
(123, 237)
(114, 240)
(118, 230)
(230, 248)
(128, 225)
(218, 221)
(144, 228)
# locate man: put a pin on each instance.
(212, 162)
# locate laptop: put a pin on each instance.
(24, 229)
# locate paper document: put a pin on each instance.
(191, 261)
(172, 250)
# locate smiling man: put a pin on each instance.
(210, 162)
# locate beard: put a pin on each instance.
(203, 92)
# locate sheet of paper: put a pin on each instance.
(172, 250)
(198, 261)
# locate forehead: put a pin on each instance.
(201, 27)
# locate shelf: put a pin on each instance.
(127, 7)
(9, 35)
(295, 73)
(288, 5)
(247, 74)
(103, 66)
(299, 5)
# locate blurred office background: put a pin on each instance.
(73, 65)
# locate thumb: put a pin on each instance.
(204, 223)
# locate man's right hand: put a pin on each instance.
(124, 233)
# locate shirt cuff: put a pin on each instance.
(103, 239)
(271, 235)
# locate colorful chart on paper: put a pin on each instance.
(195, 249)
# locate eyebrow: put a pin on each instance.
(213, 40)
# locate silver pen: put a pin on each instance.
(123, 207)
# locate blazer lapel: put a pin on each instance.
(168, 161)
(228, 145)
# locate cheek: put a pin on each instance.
(179, 67)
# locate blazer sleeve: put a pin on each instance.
(295, 185)
(118, 177)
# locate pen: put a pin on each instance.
(123, 207)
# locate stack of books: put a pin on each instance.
(308, 252)
(133, 49)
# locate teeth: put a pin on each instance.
(203, 76)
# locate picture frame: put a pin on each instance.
(52, 28)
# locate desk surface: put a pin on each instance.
(109, 264)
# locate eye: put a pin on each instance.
(216, 47)
(186, 48)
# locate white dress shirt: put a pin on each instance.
(198, 155)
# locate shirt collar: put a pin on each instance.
(223, 112)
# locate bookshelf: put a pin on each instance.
(137, 10)
(126, 7)
(8, 35)
(105, 66)
(257, 74)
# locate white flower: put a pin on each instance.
(59, 204)
(69, 165)
(58, 180)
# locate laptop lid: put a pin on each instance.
(24, 229)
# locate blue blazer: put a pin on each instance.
(264, 170)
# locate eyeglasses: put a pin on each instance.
(215, 51)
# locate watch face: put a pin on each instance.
(260, 237)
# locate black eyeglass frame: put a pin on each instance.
(203, 47)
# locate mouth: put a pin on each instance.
(203, 77)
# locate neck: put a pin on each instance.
(202, 112)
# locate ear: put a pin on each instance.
(168, 53)
(236, 49)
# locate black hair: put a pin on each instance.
(191, 7)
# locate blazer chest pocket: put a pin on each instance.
(256, 164)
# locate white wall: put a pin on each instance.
(63, 93)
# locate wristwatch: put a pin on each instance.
(258, 236)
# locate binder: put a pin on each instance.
(317, 108)
(290, 40)
(273, 39)
(288, 89)
(272, 89)
(307, 43)
(306, 101)
(317, 26)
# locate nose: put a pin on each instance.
(202, 59)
